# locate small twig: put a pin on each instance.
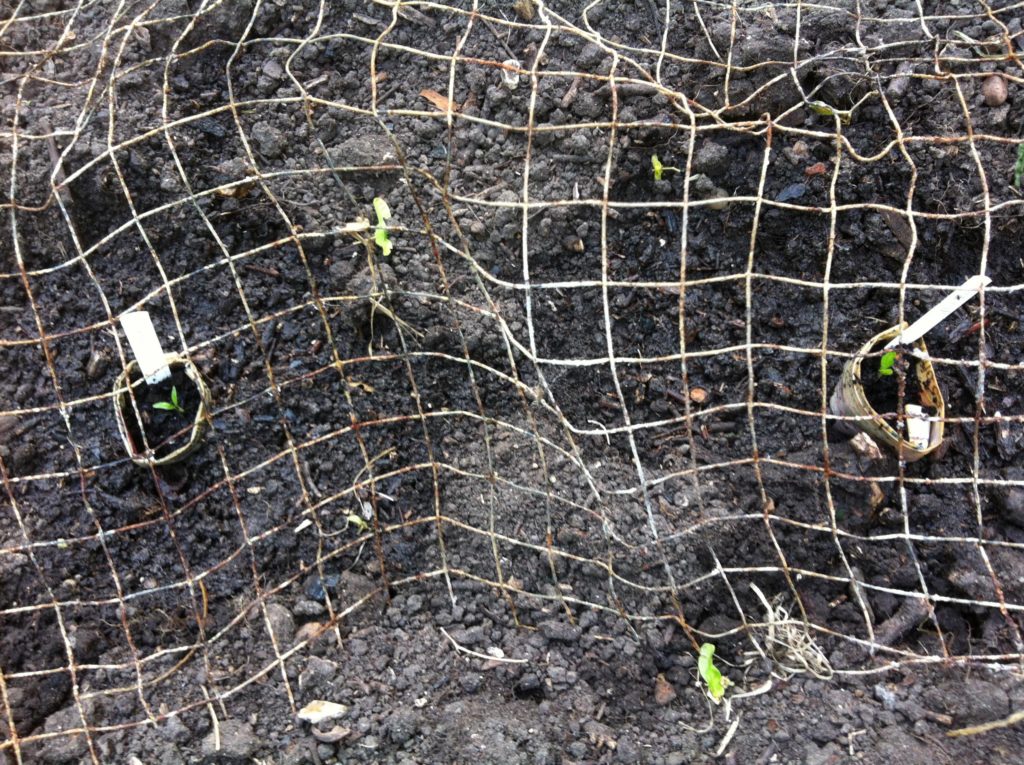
(910, 613)
(973, 730)
(727, 738)
(213, 716)
(483, 656)
(58, 166)
(707, 35)
(570, 94)
(314, 489)
(497, 37)
(851, 736)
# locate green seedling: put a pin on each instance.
(709, 673)
(1018, 169)
(885, 366)
(355, 520)
(660, 169)
(174, 405)
(381, 236)
(820, 107)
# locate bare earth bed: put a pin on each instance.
(491, 492)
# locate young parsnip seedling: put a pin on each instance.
(381, 236)
(885, 366)
(174, 405)
(354, 520)
(709, 673)
(660, 169)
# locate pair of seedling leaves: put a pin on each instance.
(174, 405)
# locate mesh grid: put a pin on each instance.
(563, 359)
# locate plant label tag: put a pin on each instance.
(919, 430)
(940, 311)
(138, 328)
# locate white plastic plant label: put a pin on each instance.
(919, 429)
(138, 328)
(939, 312)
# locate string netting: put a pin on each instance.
(633, 246)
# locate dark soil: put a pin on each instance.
(465, 492)
(161, 429)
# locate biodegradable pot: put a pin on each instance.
(850, 400)
(195, 399)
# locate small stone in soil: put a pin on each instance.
(561, 631)
(664, 693)
(236, 740)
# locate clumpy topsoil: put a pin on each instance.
(491, 493)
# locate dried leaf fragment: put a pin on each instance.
(441, 103)
(899, 226)
(865, 446)
(236, 191)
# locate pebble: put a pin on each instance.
(664, 693)
(1010, 499)
(307, 631)
(307, 608)
(236, 741)
(402, 726)
(710, 158)
(62, 749)
(413, 604)
(468, 636)
(270, 141)
(316, 712)
(627, 751)
(826, 755)
(175, 730)
(471, 682)
(11, 562)
(281, 622)
(793, 191)
(798, 153)
(561, 631)
(317, 587)
(317, 672)
(994, 90)
(273, 69)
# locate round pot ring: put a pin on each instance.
(850, 400)
(164, 441)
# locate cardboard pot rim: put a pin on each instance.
(195, 437)
(849, 399)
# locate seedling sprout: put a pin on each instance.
(354, 520)
(660, 169)
(886, 364)
(381, 236)
(174, 405)
(710, 674)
